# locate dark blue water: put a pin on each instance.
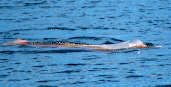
(90, 22)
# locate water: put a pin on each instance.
(90, 22)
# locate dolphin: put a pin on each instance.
(103, 47)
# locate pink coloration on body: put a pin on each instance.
(17, 42)
(103, 47)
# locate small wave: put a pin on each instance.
(96, 38)
(3, 60)
(108, 42)
(70, 71)
(106, 76)
(47, 86)
(46, 81)
(8, 7)
(98, 28)
(34, 3)
(14, 80)
(26, 71)
(3, 76)
(75, 64)
(134, 76)
(114, 39)
(39, 66)
(101, 69)
(102, 81)
(163, 86)
(46, 51)
(60, 28)
(125, 63)
(85, 37)
(6, 19)
(35, 29)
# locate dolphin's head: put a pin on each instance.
(149, 44)
(140, 44)
(137, 44)
(152, 45)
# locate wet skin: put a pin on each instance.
(138, 44)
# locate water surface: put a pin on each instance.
(89, 22)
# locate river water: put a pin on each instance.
(89, 22)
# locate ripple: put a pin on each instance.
(37, 29)
(3, 76)
(47, 86)
(8, 69)
(90, 6)
(3, 60)
(85, 37)
(134, 76)
(90, 59)
(78, 82)
(34, 3)
(9, 7)
(26, 71)
(108, 42)
(106, 76)
(160, 55)
(163, 86)
(75, 64)
(148, 59)
(102, 81)
(96, 38)
(39, 66)
(101, 69)
(125, 63)
(46, 81)
(52, 65)
(60, 28)
(7, 19)
(14, 80)
(70, 71)
(46, 51)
